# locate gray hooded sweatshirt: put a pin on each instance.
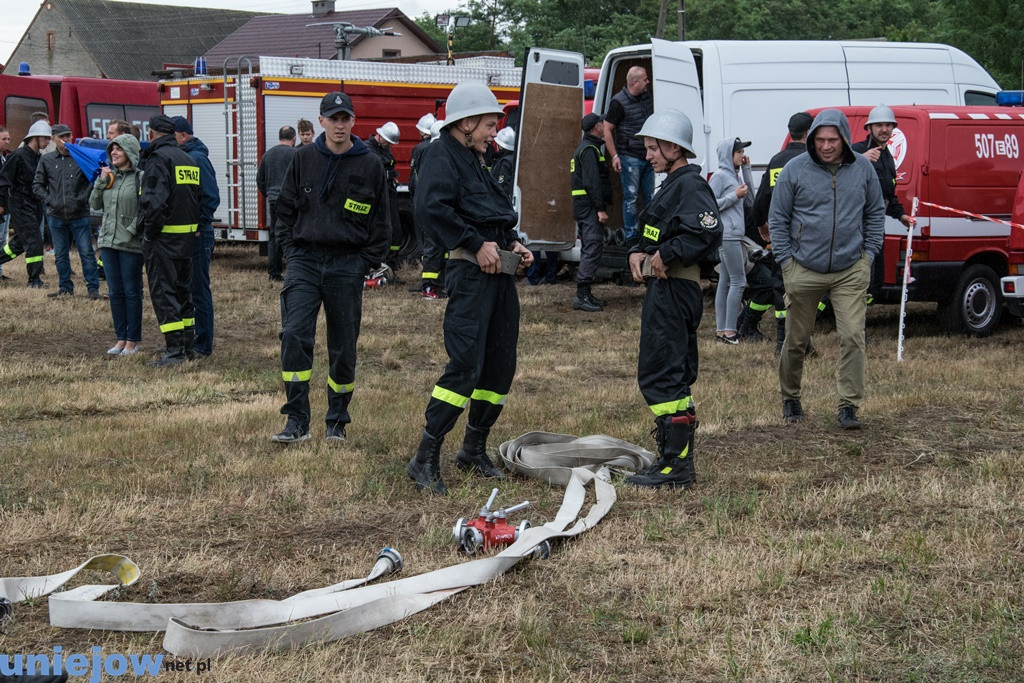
(826, 219)
(724, 183)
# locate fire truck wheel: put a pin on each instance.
(976, 305)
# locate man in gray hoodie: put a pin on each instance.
(827, 224)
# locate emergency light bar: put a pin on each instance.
(1010, 98)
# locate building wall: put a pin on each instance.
(68, 56)
(373, 48)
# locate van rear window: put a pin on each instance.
(18, 114)
(973, 98)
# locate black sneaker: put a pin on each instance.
(728, 339)
(59, 294)
(792, 411)
(848, 418)
(335, 433)
(293, 432)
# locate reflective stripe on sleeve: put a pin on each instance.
(33, 259)
(577, 193)
(759, 307)
(430, 276)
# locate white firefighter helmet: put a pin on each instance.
(389, 131)
(39, 129)
(881, 114)
(470, 99)
(435, 130)
(670, 125)
(506, 139)
(424, 124)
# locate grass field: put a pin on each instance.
(804, 552)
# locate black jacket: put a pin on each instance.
(885, 167)
(503, 171)
(16, 178)
(460, 199)
(170, 199)
(681, 222)
(335, 203)
(272, 169)
(388, 159)
(591, 188)
(414, 162)
(763, 198)
(61, 186)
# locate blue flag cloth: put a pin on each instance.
(88, 159)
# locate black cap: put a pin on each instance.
(161, 123)
(591, 120)
(181, 125)
(335, 102)
(60, 129)
(739, 145)
(800, 123)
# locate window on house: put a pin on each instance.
(391, 53)
(51, 40)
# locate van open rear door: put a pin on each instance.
(551, 106)
(675, 85)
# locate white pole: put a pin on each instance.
(906, 279)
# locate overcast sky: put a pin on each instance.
(18, 14)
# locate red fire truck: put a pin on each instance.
(1013, 285)
(964, 158)
(86, 105)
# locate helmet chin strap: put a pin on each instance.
(671, 162)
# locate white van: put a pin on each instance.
(749, 89)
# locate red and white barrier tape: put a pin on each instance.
(979, 216)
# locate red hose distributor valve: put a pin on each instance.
(491, 530)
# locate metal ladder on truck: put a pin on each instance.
(240, 152)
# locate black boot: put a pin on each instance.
(473, 454)
(584, 300)
(674, 467)
(749, 319)
(780, 334)
(425, 466)
(189, 339)
(174, 354)
(600, 302)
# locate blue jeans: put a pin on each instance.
(124, 280)
(4, 226)
(637, 174)
(62, 232)
(202, 298)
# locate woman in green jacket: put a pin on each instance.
(116, 191)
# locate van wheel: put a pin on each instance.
(976, 305)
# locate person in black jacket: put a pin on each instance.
(332, 225)
(18, 201)
(504, 165)
(475, 221)
(681, 229)
(880, 126)
(432, 256)
(591, 194)
(269, 176)
(170, 207)
(381, 144)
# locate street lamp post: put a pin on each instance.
(448, 23)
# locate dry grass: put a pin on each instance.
(804, 553)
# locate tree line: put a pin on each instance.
(988, 30)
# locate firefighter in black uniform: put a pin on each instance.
(765, 278)
(591, 194)
(333, 227)
(17, 200)
(503, 168)
(380, 143)
(880, 125)
(680, 230)
(474, 220)
(170, 207)
(432, 257)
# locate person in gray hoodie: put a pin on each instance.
(827, 223)
(116, 191)
(731, 184)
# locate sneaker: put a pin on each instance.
(335, 433)
(792, 411)
(732, 340)
(94, 295)
(129, 352)
(115, 350)
(848, 418)
(59, 294)
(293, 432)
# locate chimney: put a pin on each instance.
(322, 7)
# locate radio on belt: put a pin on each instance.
(491, 530)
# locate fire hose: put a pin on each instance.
(342, 610)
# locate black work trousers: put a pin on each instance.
(667, 366)
(26, 241)
(767, 290)
(592, 235)
(433, 258)
(274, 261)
(169, 287)
(481, 332)
(334, 281)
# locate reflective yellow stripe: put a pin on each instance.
(577, 193)
(773, 176)
(780, 314)
(7, 250)
(172, 327)
(180, 229)
(186, 175)
(759, 307)
(686, 451)
(652, 233)
(430, 276)
(188, 322)
(489, 396)
(396, 247)
(672, 407)
(821, 305)
(33, 259)
(442, 394)
(357, 207)
(340, 388)
(296, 375)
(99, 262)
